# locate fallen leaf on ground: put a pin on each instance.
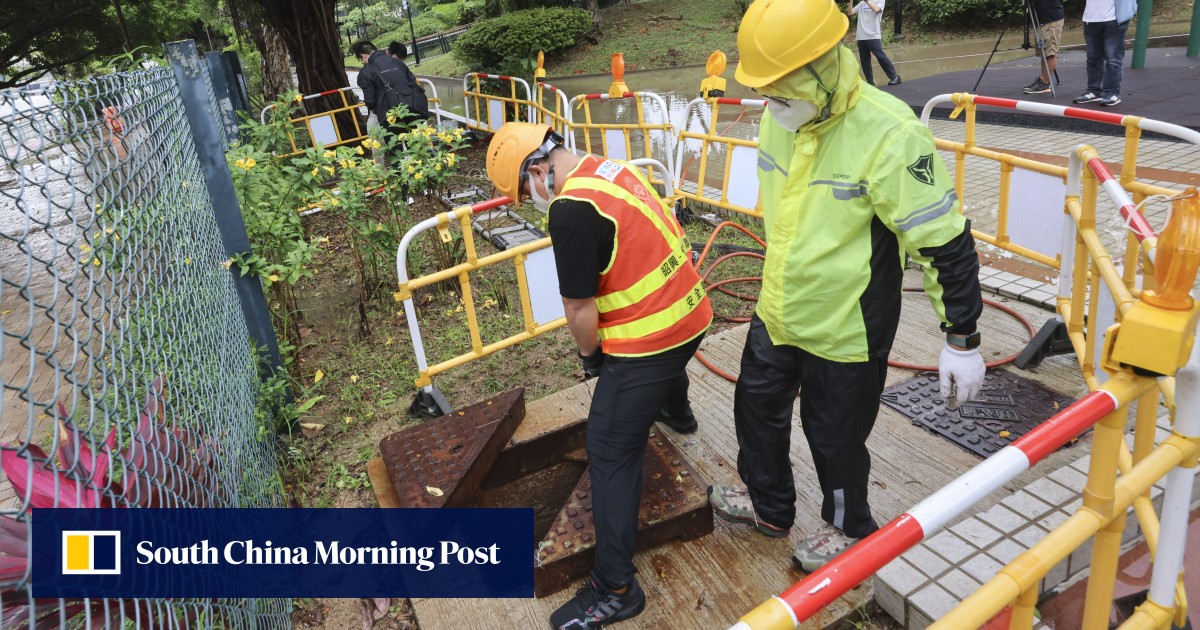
(318, 376)
(437, 492)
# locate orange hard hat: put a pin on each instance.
(510, 147)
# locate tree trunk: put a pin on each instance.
(276, 62)
(310, 34)
(593, 6)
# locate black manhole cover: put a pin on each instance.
(1007, 403)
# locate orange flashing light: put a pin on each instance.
(618, 87)
(1178, 255)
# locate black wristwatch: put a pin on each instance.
(963, 342)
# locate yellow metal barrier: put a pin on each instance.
(489, 112)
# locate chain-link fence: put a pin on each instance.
(127, 376)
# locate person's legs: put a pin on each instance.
(838, 406)
(864, 59)
(627, 401)
(1051, 36)
(1093, 36)
(885, 63)
(1114, 57)
(762, 417)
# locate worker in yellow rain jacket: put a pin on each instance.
(851, 182)
(637, 310)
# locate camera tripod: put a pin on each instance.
(1030, 21)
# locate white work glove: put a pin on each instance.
(963, 368)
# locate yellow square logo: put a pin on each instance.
(91, 552)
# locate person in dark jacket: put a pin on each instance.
(386, 83)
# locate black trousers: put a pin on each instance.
(868, 47)
(838, 405)
(630, 393)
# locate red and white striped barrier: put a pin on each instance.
(1145, 124)
(1129, 211)
(753, 102)
(812, 594)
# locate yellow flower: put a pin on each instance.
(329, 169)
(391, 119)
(451, 159)
(86, 260)
(245, 163)
(108, 230)
(389, 341)
(379, 228)
(344, 163)
(438, 167)
(359, 150)
(348, 419)
(316, 171)
(333, 201)
(85, 248)
(418, 175)
(297, 98)
(411, 168)
(457, 133)
(372, 143)
(273, 278)
(96, 261)
(228, 263)
(328, 154)
(353, 378)
(187, 260)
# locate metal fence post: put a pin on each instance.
(237, 81)
(188, 68)
(225, 102)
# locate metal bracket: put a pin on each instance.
(1051, 340)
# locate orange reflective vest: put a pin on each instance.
(650, 298)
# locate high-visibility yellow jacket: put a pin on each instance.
(844, 200)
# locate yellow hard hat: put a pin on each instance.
(778, 37)
(512, 144)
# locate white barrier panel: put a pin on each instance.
(614, 143)
(743, 176)
(542, 278)
(495, 115)
(323, 130)
(1035, 205)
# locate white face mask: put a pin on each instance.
(794, 115)
(539, 202)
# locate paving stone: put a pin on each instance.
(892, 602)
(950, 547)
(1026, 505)
(1070, 478)
(976, 532)
(1040, 296)
(934, 601)
(1007, 277)
(991, 282)
(1005, 551)
(1050, 492)
(981, 566)
(1082, 463)
(925, 560)
(1013, 290)
(901, 576)
(1053, 520)
(1031, 283)
(1029, 536)
(1002, 518)
(917, 619)
(959, 584)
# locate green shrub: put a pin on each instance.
(448, 14)
(961, 12)
(514, 39)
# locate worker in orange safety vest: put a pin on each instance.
(637, 310)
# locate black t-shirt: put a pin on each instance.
(1048, 10)
(583, 245)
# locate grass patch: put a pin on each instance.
(646, 42)
(441, 66)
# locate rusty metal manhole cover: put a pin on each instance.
(442, 462)
(674, 506)
(1007, 403)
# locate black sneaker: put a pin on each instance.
(1110, 100)
(683, 422)
(894, 80)
(595, 607)
(1037, 87)
(1087, 97)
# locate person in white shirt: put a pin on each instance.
(1104, 26)
(870, 41)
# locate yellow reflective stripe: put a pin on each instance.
(613, 190)
(646, 326)
(643, 288)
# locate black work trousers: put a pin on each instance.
(868, 47)
(838, 405)
(629, 396)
